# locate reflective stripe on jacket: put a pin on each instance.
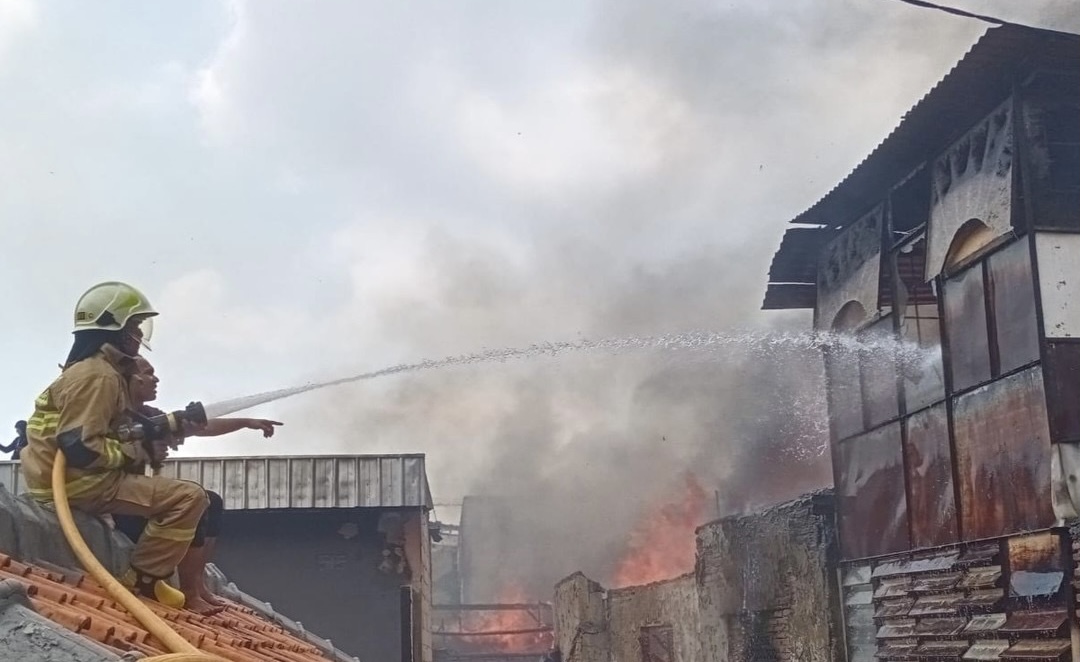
(79, 414)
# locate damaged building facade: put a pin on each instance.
(952, 256)
(763, 589)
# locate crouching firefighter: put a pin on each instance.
(86, 415)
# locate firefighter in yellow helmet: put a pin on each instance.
(79, 415)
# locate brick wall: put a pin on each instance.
(673, 602)
(581, 628)
(766, 585)
(764, 590)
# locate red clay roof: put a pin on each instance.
(83, 606)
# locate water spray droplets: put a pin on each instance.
(702, 343)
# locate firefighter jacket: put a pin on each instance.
(79, 414)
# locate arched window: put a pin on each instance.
(972, 236)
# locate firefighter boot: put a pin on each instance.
(152, 587)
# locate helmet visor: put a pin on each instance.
(144, 332)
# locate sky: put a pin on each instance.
(311, 190)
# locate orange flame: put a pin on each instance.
(524, 632)
(662, 545)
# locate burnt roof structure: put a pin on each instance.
(984, 76)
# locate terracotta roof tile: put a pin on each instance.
(84, 607)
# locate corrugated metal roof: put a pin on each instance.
(980, 81)
(324, 481)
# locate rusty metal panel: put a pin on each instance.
(892, 587)
(930, 478)
(234, 484)
(1037, 565)
(348, 483)
(278, 472)
(894, 608)
(1003, 457)
(872, 505)
(990, 649)
(1027, 622)
(1039, 649)
(899, 648)
(255, 480)
(1063, 390)
(898, 629)
(941, 627)
(965, 327)
(972, 179)
(850, 270)
(942, 649)
(392, 476)
(324, 482)
(984, 623)
(1012, 289)
(301, 477)
(981, 577)
(1059, 283)
(936, 605)
(370, 485)
(935, 583)
(879, 372)
(984, 598)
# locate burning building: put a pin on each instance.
(952, 256)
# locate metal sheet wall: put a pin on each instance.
(1003, 457)
(965, 327)
(1012, 299)
(998, 599)
(358, 481)
(931, 492)
(872, 506)
(1059, 283)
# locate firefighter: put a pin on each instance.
(192, 569)
(79, 415)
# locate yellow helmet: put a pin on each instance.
(108, 306)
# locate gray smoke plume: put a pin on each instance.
(743, 116)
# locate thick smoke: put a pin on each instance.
(740, 117)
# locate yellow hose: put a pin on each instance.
(182, 650)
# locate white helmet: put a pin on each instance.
(108, 306)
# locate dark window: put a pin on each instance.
(965, 326)
(1063, 390)
(920, 329)
(878, 368)
(657, 643)
(1013, 303)
(911, 203)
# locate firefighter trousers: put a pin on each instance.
(172, 507)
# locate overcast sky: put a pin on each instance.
(310, 189)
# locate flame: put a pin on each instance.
(529, 640)
(662, 545)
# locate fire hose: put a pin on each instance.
(181, 650)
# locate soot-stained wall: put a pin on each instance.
(766, 585)
(764, 590)
(323, 569)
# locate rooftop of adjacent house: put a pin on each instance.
(307, 481)
(50, 611)
(980, 81)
